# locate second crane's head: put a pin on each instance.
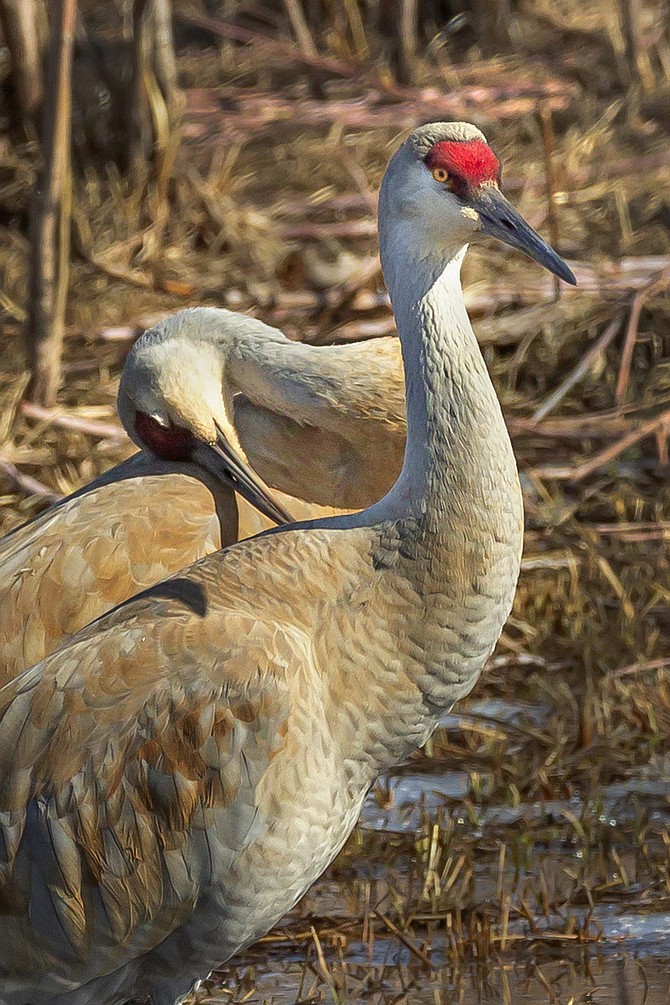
(441, 190)
(174, 400)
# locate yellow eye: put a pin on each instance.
(440, 174)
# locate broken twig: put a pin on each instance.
(26, 483)
(102, 430)
(584, 366)
(654, 286)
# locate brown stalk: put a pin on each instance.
(609, 453)
(633, 531)
(642, 667)
(547, 131)
(300, 28)
(164, 55)
(19, 27)
(352, 11)
(136, 277)
(662, 434)
(599, 426)
(306, 44)
(50, 215)
(323, 966)
(406, 941)
(638, 66)
(408, 19)
(139, 124)
(545, 984)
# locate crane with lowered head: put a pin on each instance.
(202, 393)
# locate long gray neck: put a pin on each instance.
(446, 540)
(459, 469)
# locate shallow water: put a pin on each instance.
(594, 979)
(597, 921)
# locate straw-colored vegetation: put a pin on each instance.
(271, 210)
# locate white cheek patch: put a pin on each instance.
(470, 214)
(160, 419)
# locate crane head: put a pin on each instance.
(171, 393)
(446, 180)
(173, 402)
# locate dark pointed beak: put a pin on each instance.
(500, 219)
(243, 479)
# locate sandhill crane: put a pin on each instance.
(326, 424)
(177, 774)
(321, 423)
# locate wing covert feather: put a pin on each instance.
(85, 555)
(131, 760)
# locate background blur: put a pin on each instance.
(237, 164)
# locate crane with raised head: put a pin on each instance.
(200, 393)
(178, 773)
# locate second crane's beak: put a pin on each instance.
(500, 219)
(244, 480)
